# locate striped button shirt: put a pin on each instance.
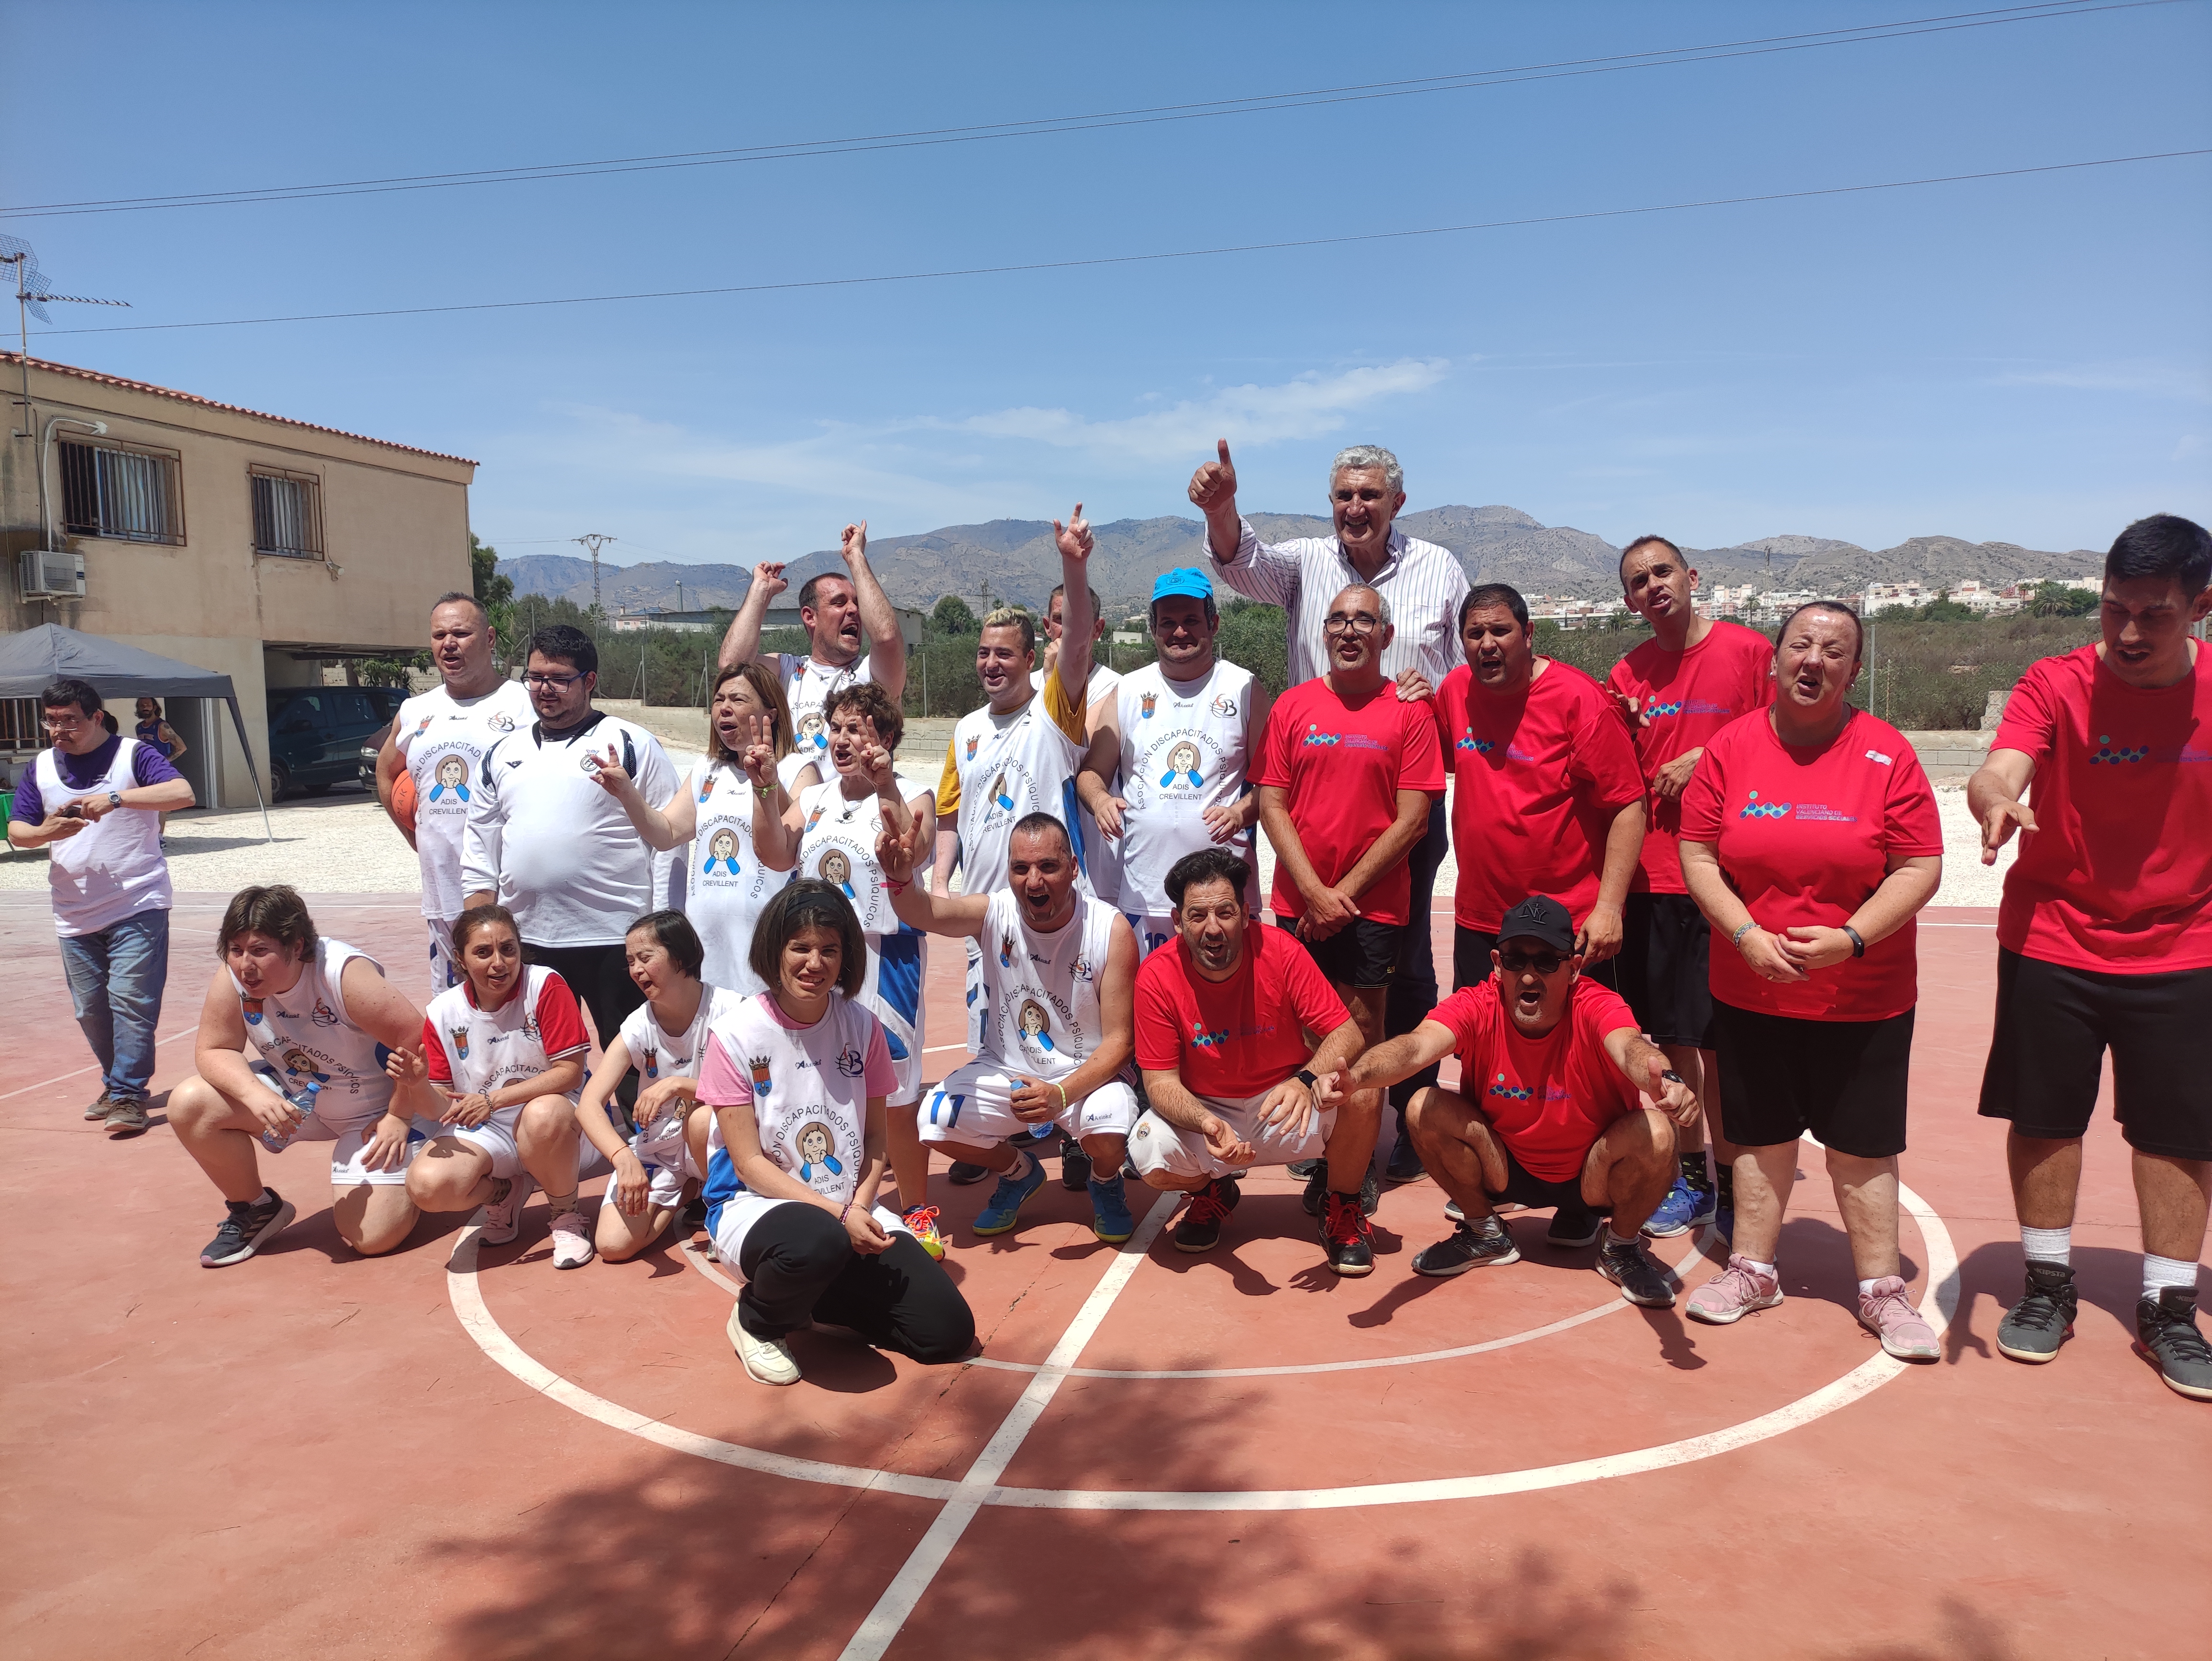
(1423, 582)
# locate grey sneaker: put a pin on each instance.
(126, 1115)
(2034, 1328)
(98, 1110)
(1640, 1280)
(2166, 1335)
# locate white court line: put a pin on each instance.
(92, 1067)
(921, 1566)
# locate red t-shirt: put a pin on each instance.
(1548, 1098)
(1238, 1038)
(2119, 878)
(1343, 767)
(1686, 697)
(1537, 779)
(1804, 836)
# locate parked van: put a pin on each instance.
(316, 733)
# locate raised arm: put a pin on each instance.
(1073, 668)
(742, 643)
(1213, 493)
(934, 912)
(886, 645)
(669, 825)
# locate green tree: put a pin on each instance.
(1257, 637)
(493, 587)
(2062, 600)
(1944, 609)
(953, 616)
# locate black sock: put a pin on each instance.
(1694, 1170)
(1724, 1186)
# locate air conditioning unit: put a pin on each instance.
(43, 575)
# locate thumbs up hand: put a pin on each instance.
(1214, 485)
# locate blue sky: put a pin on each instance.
(2025, 359)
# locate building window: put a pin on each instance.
(126, 495)
(20, 727)
(288, 516)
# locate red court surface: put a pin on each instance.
(313, 1454)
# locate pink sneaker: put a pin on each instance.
(503, 1219)
(1887, 1312)
(572, 1241)
(1734, 1293)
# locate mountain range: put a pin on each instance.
(1016, 559)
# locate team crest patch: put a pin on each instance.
(500, 722)
(758, 1064)
(851, 1062)
(1006, 951)
(1147, 703)
(652, 1064)
(1224, 706)
(814, 818)
(707, 788)
(253, 1007)
(459, 1035)
(1083, 969)
(322, 1015)
(977, 738)
(422, 727)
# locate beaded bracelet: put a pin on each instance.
(1736, 939)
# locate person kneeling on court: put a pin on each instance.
(293, 1037)
(798, 1077)
(1547, 1114)
(1058, 971)
(1233, 1026)
(503, 1058)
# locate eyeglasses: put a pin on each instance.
(1544, 963)
(536, 679)
(62, 723)
(1358, 624)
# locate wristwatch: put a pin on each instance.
(1670, 1076)
(1858, 941)
(115, 798)
(1304, 1076)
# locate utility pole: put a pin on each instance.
(594, 540)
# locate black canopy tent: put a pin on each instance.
(34, 659)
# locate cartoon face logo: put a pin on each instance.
(999, 793)
(459, 1035)
(450, 778)
(1224, 706)
(1182, 765)
(812, 732)
(722, 850)
(818, 1152)
(1145, 704)
(972, 743)
(322, 1015)
(836, 868)
(300, 1065)
(1033, 1021)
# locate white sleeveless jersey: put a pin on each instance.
(725, 886)
(442, 741)
(1183, 752)
(807, 685)
(659, 1055)
(305, 1034)
(488, 1048)
(837, 843)
(1009, 768)
(1043, 989)
(810, 1097)
(112, 869)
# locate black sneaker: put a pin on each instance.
(2034, 1328)
(964, 1174)
(1623, 1262)
(1209, 1208)
(2166, 1332)
(1074, 1166)
(1347, 1236)
(250, 1223)
(1470, 1245)
(1573, 1226)
(1306, 1168)
(1405, 1165)
(1371, 1192)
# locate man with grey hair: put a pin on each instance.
(1422, 585)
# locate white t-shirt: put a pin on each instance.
(1183, 752)
(442, 741)
(306, 1034)
(807, 686)
(725, 886)
(556, 846)
(1043, 989)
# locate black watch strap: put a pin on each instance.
(1858, 941)
(1304, 1076)
(1670, 1076)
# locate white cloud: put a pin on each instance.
(2147, 376)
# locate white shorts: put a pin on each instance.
(1155, 1146)
(350, 1139)
(445, 969)
(975, 1105)
(743, 1209)
(495, 1138)
(1153, 930)
(662, 1149)
(979, 1002)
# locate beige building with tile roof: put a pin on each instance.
(252, 543)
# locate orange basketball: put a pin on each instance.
(403, 800)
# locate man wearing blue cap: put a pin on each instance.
(1177, 735)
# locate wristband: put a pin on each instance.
(764, 791)
(846, 1212)
(1858, 941)
(1062, 1088)
(1736, 939)
(897, 887)
(1670, 1076)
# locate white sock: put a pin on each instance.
(2048, 1245)
(2161, 1272)
(1753, 1264)
(1866, 1287)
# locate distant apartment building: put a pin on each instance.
(1745, 604)
(254, 544)
(630, 620)
(1977, 596)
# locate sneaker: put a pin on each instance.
(2034, 1328)
(1371, 1192)
(1405, 1162)
(1347, 1235)
(1470, 1245)
(250, 1223)
(1734, 1293)
(1110, 1212)
(503, 1219)
(1685, 1206)
(1573, 1226)
(1075, 1168)
(1887, 1312)
(572, 1241)
(98, 1110)
(965, 1173)
(922, 1222)
(1005, 1208)
(1623, 1262)
(1209, 1208)
(767, 1359)
(126, 1115)
(2166, 1334)
(1304, 1168)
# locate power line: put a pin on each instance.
(1465, 81)
(1144, 258)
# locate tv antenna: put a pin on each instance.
(594, 540)
(32, 293)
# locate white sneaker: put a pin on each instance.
(572, 1241)
(503, 1221)
(767, 1359)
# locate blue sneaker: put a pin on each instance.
(1004, 1210)
(1110, 1212)
(1685, 1206)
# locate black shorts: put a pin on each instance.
(2054, 1024)
(1522, 1190)
(1471, 965)
(599, 977)
(1363, 953)
(1664, 969)
(1842, 1081)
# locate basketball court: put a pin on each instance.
(458, 1452)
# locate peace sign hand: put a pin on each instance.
(609, 772)
(1214, 485)
(1074, 538)
(759, 759)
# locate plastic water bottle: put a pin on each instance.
(277, 1141)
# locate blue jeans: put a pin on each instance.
(115, 978)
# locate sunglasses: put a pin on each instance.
(1544, 963)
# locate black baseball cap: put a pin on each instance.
(1539, 918)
